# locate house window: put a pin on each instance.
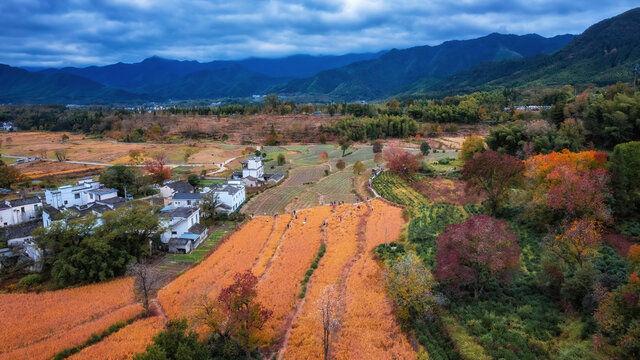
(174, 233)
(22, 209)
(188, 202)
(66, 202)
(77, 196)
(5, 224)
(91, 196)
(35, 207)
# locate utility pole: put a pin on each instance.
(636, 70)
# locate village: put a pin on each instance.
(177, 203)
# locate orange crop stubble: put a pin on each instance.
(279, 288)
(237, 254)
(47, 348)
(342, 245)
(124, 344)
(29, 318)
(271, 245)
(369, 329)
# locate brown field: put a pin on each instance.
(446, 191)
(37, 326)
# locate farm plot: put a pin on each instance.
(237, 254)
(29, 319)
(391, 187)
(429, 223)
(304, 175)
(336, 187)
(279, 286)
(342, 246)
(124, 344)
(272, 201)
(369, 329)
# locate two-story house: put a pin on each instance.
(186, 199)
(70, 195)
(14, 212)
(184, 232)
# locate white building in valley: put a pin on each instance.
(252, 167)
(229, 196)
(184, 232)
(14, 212)
(71, 195)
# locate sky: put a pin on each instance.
(59, 33)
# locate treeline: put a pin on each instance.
(600, 119)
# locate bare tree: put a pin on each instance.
(328, 308)
(147, 280)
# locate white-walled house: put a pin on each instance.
(184, 232)
(229, 196)
(70, 195)
(14, 212)
(252, 167)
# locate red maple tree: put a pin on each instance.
(401, 162)
(492, 173)
(471, 253)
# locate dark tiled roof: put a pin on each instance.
(111, 201)
(25, 201)
(187, 196)
(180, 186)
(102, 191)
(230, 189)
(21, 230)
(50, 210)
(178, 242)
(197, 229)
(180, 212)
(277, 176)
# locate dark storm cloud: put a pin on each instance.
(84, 32)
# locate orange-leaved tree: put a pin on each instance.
(401, 162)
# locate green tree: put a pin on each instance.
(377, 146)
(344, 145)
(625, 179)
(80, 249)
(425, 148)
(281, 159)
(208, 205)
(472, 145)
(194, 180)
(176, 343)
(410, 285)
(123, 177)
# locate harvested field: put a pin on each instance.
(58, 341)
(279, 286)
(31, 318)
(369, 329)
(342, 247)
(124, 344)
(236, 254)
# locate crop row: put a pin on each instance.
(342, 245)
(369, 329)
(75, 336)
(391, 187)
(30, 318)
(124, 344)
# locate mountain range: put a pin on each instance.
(602, 54)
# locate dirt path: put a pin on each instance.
(264, 246)
(275, 253)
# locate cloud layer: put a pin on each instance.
(94, 32)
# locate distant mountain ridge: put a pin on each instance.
(603, 54)
(156, 70)
(397, 69)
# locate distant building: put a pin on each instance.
(21, 243)
(253, 175)
(253, 167)
(8, 126)
(14, 212)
